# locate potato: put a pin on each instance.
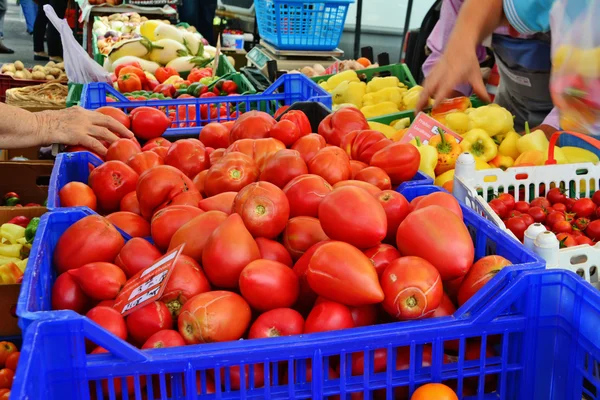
(20, 75)
(27, 74)
(9, 68)
(55, 72)
(38, 75)
(63, 77)
(144, 19)
(49, 78)
(9, 73)
(19, 65)
(38, 68)
(60, 65)
(50, 64)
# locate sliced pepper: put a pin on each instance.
(480, 144)
(448, 151)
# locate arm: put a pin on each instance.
(72, 126)
(551, 123)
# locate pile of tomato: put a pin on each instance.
(574, 221)
(286, 232)
(9, 358)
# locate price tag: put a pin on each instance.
(332, 69)
(425, 127)
(148, 285)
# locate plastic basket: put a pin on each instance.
(8, 82)
(302, 24)
(74, 95)
(400, 71)
(190, 114)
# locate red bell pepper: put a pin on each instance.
(129, 83)
(150, 85)
(229, 87)
(337, 125)
(164, 73)
(300, 120)
(20, 220)
(167, 90)
(199, 73)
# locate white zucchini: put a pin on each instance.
(165, 50)
(146, 65)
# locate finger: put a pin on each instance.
(479, 89)
(112, 124)
(428, 88)
(102, 133)
(443, 92)
(93, 144)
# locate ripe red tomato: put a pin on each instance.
(189, 156)
(7, 376)
(196, 232)
(396, 208)
(559, 207)
(189, 198)
(584, 240)
(338, 124)
(593, 230)
(130, 223)
(277, 322)
(307, 296)
(381, 256)
(514, 213)
(332, 164)
(553, 218)
(6, 349)
(99, 280)
(158, 187)
(67, 295)
(223, 259)
(365, 315)
(309, 145)
(252, 125)
(538, 213)
(522, 206)
(445, 309)
(499, 208)
(161, 151)
(569, 203)
(186, 281)
(372, 189)
(12, 360)
(282, 167)
(163, 339)
(146, 321)
(149, 123)
(77, 194)
(540, 202)
(562, 227)
(260, 150)
(508, 200)
(264, 208)
(528, 219)
(556, 196)
(267, 285)
(299, 119)
(230, 317)
(199, 181)
(231, 174)
(215, 135)
(137, 255)
(357, 166)
(155, 143)
(450, 250)
(352, 215)
(596, 198)
(328, 316)
(90, 239)
(117, 114)
(285, 131)
(300, 234)
(480, 274)
(273, 250)
(517, 226)
(412, 287)
(220, 202)
(399, 160)
(216, 155)
(366, 144)
(110, 319)
(342, 273)
(305, 194)
(566, 240)
(168, 220)
(122, 150)
(110, 182)
(582, 224)
(375, 176)
(143, 161)
(442, 199)
(584, 208)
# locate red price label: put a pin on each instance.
(424, 127)
(148, 285)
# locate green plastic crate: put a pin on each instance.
(400, 71)
(74, 95)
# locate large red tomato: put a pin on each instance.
(161, 151)
(199, 181)
(396, 208)
(445, 309)
(328, 316)
(235, 377)
(137, 255)
(264, 208)
(305, 194)
(99, 280)
(110, 319)
(224, 259)
(413, 288)
(88, 240)
(337, 125)
(299, 119)
(122, 150)
(309, 145)
(282, 167)
(143, 161)
(67, 295)
(285, 131)
(117, 114)
(258, 149)
(77, 194)
(277, 322)
(381, 256)
(219, 202)
(158, 187)
(232, 173)
(450, 249)
(352, 215)
(196, 232)
(190, 198)
(342, 273)
(146, 321)
(215, 135)
(156, 142)
(163, 339)
(399, 160)
(149, 123)
(230, 317)
(357, 166)
(441, 199)
(186, 281)
(252, 125)
(372, 189)
(110, 182)
(130, 223)
(364, 315)
(332, 164)
(216, 155)
(301, 233)
(307, 295)
(168, 220)
(362, 146)
(273, 250)
(267, 285)
(130, 203)
(480, 273)
(189, 156)
(375, 176)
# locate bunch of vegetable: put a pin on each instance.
(115, 28)
(16, 238)
(9, 359)
(12, 199)
(49, 72)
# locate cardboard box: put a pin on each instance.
(29, 179)
(9, 294)
(31, 153)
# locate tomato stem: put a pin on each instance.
(411, 301)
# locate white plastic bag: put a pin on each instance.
(575, 84)
(80, 68)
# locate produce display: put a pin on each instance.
(51, 71)
(9, 359)
(341, 66)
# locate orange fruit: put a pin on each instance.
(434, 391)
(364, 62)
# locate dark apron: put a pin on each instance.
(524, 66)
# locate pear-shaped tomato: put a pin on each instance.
(267, 285)
(301, 233)
(219, 202)
(273, 250)
(305, 194)
(168, 221)
(309, 145)
(196, 232)
(137, 255)
(332, 164)
(396, 209)
(399, 160)
(441, 199)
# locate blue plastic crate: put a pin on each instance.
(302, 24)
(191, 114)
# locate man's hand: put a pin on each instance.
(77, 126)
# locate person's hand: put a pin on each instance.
(77, 126)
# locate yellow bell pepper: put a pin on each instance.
(378, 83)
(10, 273)
(401, 123)
(458, 122)
(440, 180)
(530, 157)
(480, 144)
(501, 161)
(492, 119)
(393, 94)
(508, 146)
(349, 93)
(387, 107)
(348, 75)
(535, 140)
(579, 155)
(448, 151)
(387, 130)
(429, 157)
(411, 97)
